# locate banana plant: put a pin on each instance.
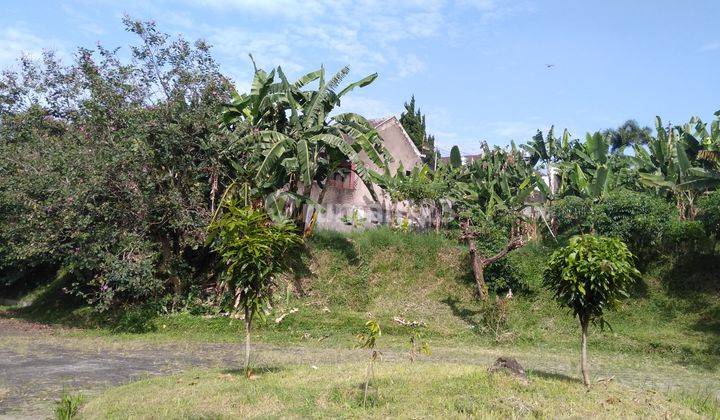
(666, 166)
(300, 144)
(497, 185)
(707, 142)
(550, 153)
(590, 174)
(707, 174)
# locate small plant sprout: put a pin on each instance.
(418, 345)
(67, 407)
(590, 276)
(368, 340)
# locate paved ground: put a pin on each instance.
(38, 363)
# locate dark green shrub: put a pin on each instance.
(709, 213)
(684, 237)
(572, 215)
(637, 219)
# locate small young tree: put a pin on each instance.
(368, 340)
(590, 276)
(253, 251)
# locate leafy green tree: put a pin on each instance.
(253, 252)
(627, 135)
(589, 277)
(455, 157)
(414, 123)
(109, 167)
(431, 152)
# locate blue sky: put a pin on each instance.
(477, 67)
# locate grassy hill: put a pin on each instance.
(666, 337)
(425, 279)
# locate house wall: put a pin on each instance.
(343, 203)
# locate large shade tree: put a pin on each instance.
(108, 167)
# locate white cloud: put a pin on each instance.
(498, 9)
(711, 46)
(409, 64)
(367, 106)
(17, 42)
(269, 49)
(365, 34)
(284, 8)
(82, 21)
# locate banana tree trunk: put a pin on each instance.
(313, 218)
(438, 216)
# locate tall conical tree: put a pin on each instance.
(455, 158)
(413, 121)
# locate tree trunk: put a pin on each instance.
(166, 250)
(313, 219)
(393, 213)
(437, 219)
(478, 268)
(248, 321)
(583, 352)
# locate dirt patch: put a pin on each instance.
(10, 326)
(38, 363)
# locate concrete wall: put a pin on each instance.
(346, 207)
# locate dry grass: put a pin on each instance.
(400, 390)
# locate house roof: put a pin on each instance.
(391, 120)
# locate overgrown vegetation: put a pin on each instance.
(148, 196)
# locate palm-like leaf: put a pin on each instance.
(275, 145)
(304, 161)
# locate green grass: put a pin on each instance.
(425, 277)
(666, 337)
(399, 390)
(67, 407)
